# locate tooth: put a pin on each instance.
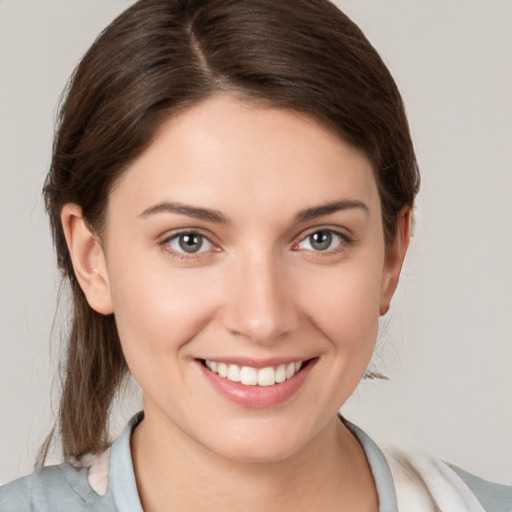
(290, 370)
(222, 369)
(281, 373)
(248, 376)
(234, 373)
(266, 376)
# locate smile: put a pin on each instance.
(250, 376)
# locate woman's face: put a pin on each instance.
(248, 240)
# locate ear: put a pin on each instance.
(88, 259)
(394, 258)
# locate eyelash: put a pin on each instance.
(343, 240)
(166, 244)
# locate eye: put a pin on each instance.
(189, 243)
(321, 240)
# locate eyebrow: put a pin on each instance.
(218, 217)
(185, 209)
(328, 208)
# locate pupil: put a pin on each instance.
(321, 240)
(190, 243)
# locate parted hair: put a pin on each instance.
(160, 57)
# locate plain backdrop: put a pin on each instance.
(447, 342)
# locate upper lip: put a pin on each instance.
(256, 363)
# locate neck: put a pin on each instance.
(175, 473)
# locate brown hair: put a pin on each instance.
(162, 56)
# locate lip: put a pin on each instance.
(258, 396)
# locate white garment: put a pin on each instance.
(427, 484)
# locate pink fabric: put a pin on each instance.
(99, 465)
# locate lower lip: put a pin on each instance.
(258, 396)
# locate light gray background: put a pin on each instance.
(448, 341)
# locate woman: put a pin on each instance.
(230, 196)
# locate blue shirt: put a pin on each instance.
(66, 487)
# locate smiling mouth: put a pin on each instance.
(250, 376)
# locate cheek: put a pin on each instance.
(345, 308)
(159, 311)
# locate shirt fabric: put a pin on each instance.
(106, 483)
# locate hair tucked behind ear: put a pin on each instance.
(96, 360)
(92, 372)
(162, 56)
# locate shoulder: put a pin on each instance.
(53, 488)
(421, 478)
(101, 482)
(492, 496)
(17, 495)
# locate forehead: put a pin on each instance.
(227, 154)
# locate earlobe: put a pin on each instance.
(394, 259)
(88, 259)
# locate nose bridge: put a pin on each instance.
(260, 306)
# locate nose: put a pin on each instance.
(260, 305)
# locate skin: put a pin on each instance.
(257, 289)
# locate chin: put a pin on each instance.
(258, 453)
(267, 441)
